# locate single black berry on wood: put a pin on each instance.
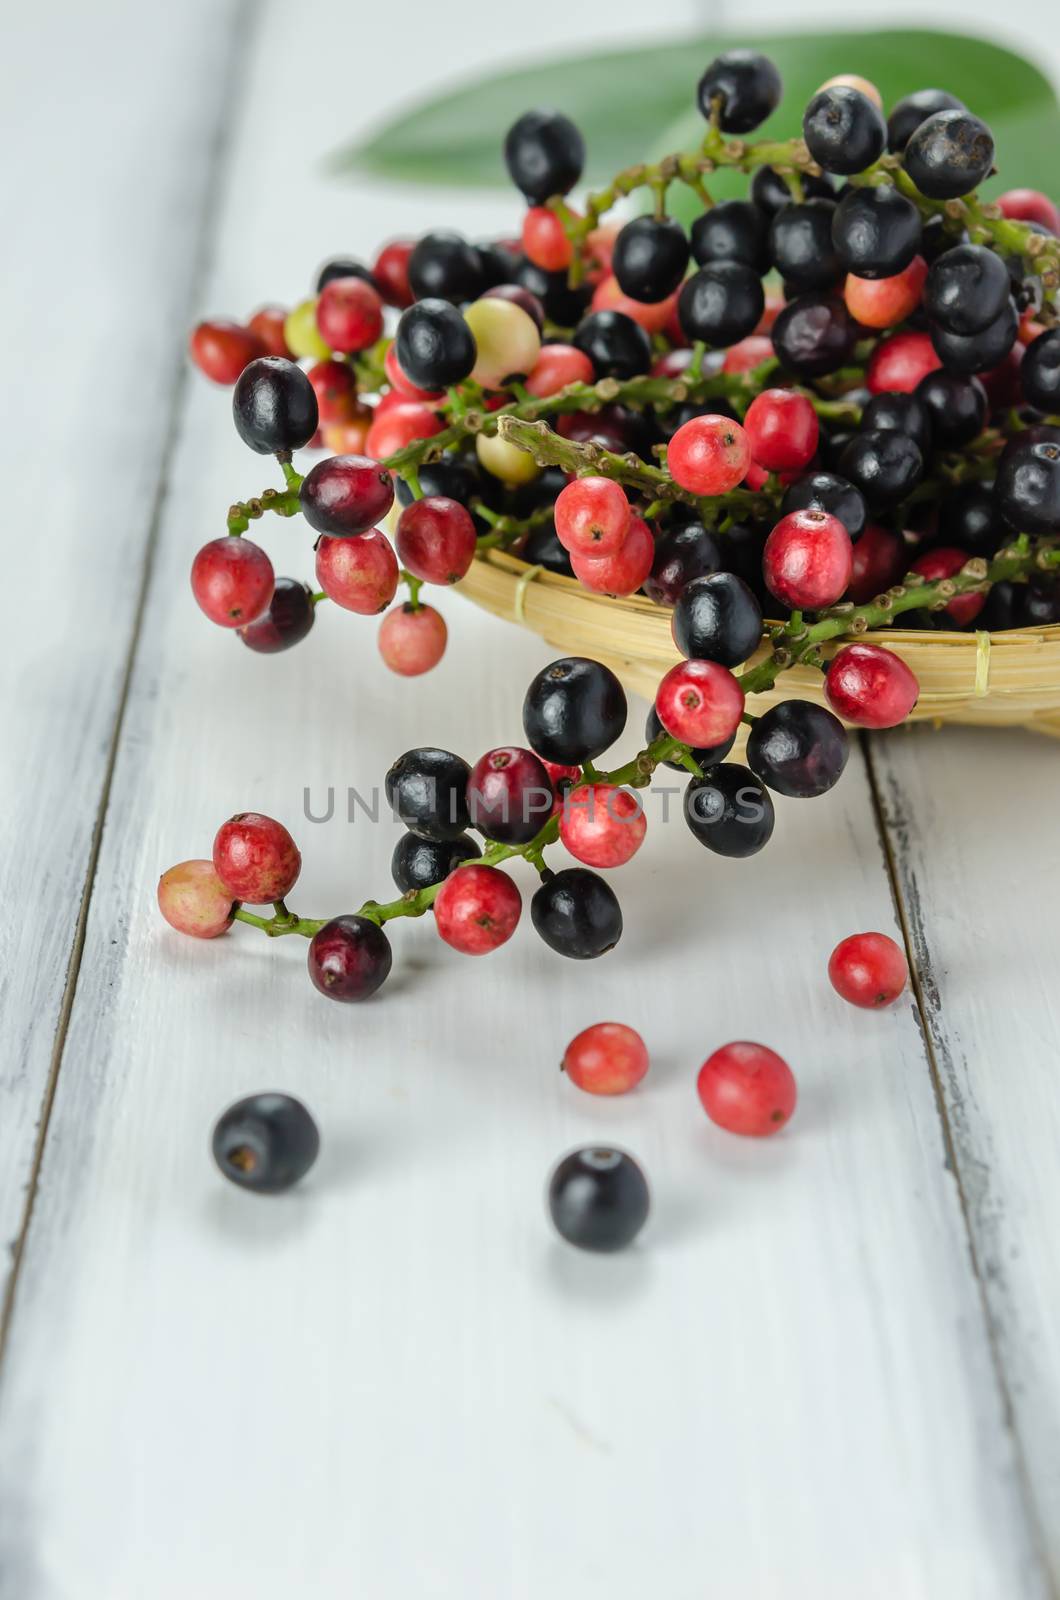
(573, 711)
(844, 131)
(577, 914)
(274, 406)
(417, 863)
(798, 749)
(544, 153)
(427, 789)
(435, 346)
(722, 303)
(743, 87)
(598, 1199)
(949, 154)
(876, 231)
(650, 257)
(909, 113)
(729, 810)
(265, 1142)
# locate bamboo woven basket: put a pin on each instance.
(998, 679)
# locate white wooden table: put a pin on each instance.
(831, 1367)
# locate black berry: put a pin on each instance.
(573, 711)
(598, 1199)
(617, 346)
(886, 466)
(770, 189)
(650, 257)
(949, 154)
(800, 243)
(543, 549)
(577, 914)
(444, 266)
(717, 618)
(729, 810)
(544, 154)
(681, 553)
(1040, 371)
(744, 86)
(956, 405)
(452, 476)
(978, 352)
(265, 1142)
(427, 789)
(435, 346)
(1003, 609)
(733, 230)
(798, 749)
(876, 231)
(344, 267)
(562, 304)
(844, 131)
(704, 757)
(721, 304)
(893, 412)
(909, 113)
(1028, 485)
(1041, 604)
(349, 958)
(286, 622)
(966, 288)
(274, 406)
(970, 519)
(417, 863)
(826, 491)
(814, 335)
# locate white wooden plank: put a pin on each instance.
(108, 160)
(970, 821)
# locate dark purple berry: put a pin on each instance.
(265, 1142)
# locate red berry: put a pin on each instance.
(391, 272)
(221, 348)
(556, 367)
(870, 686)
(601, 825)
(335, 386)
(359, 574)
(900, 362)
(749, 353)
(400, 384)
(625, 569)
(884, 302)
(807, 560)
(193, 900)
(652, 316)
(436, 539)
(402, 424)
(255, 858)
(267, 323)
(558, 772)
(675, 363)
(782, 430)
(349, 314)
(232, 579)
(544, 241)
(607, 1058)
(1030, 205)
(700, 703)
(412, 639)
(868, 969)
(592, 516)
(878, 561)
(709, 455)
(477, 909)
(946, 562)
(747, 1088)
(509, 795)
(346, 494)
(349, 957)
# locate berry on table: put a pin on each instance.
(435, 539)
(782, 428)
(507, 341)
(601, 825)
(545, 240)
(193, 900)
(232, 580)
(606, 1058)
(255, 858)
(266, 1142)
(592, 516)
(346, 495)
(826, 491)
(274, 407)
(700, 703)
(268, 323)
(544, 154)
(417, 863)
(412, 639)
(900, 362)
(747, 1088)
(477, 909)
(616, 345)
(349, 314)
(650, 256)
(884, 302)
(349, 958)
(945, 562)
(390, 271)
(729, 810)
(949, 154)
(509, 795)
(870, 686)
(717, 618)
(814, 335)
(909, 113)
(556, 367)
(443, 266)
(574, 710)
(622, 571)
(434, 344)
(427, 790)
(721, 303)
(868, 969)
(598, 1199)
(843, 129)
(284, 622)
(740, 87)
(221, 348)
(709, 455)
(577, 914)
(798, 749)
(807, 560)
(359, 574)
(876, 231)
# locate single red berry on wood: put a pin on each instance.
(870, 686)
(878, 560)
(221, 348)
(509, 795)
(607, 1058)
(544, 241)
(391, 272)
(193, 900)
(1030, 205)
(782, 430)
(359, 574)
(232, 580)
(436, 539)
(255, 858)
(556, 367)
(268, 323)
(335, 386)
(884, 302)
(625, 569)
(601, 825)
(807, 560)
(349, 315)
(700, 703)
(900, 362)
(946, 562)
(868, 969)
(709, 455)
(592, 516)
(400, 425)
(477, 909)
(346, 495)
(747, 1088)
(412, 639)
(349, 957)
(402, 385)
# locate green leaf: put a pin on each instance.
(638, 103)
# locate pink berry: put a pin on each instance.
(747, 1088)
(1030, 205)
(749, 353)
(556, 367)
(868, 969)
(900, 362)
(870, 686)
(544, 241)
(592, 516)
(946, 562)
(232, 579)
(709, 455)
(391, 272)
(402, 424)
(349, 315)
(602, 826)
(509, 795)
(782, 430)
(878, 560)
(412, 639)
(400, 384)
(359, 574)
(193, 900)
(346, 494)
(607, 1058)
(807, 560)
(653, 316)
(884, 302)
(436, 539)
(477, 909)
(255, 858)
(700, 703)
(335, 386)
(625, 569)
(221, 348)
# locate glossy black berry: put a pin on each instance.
(544, 154)
(899, 413)
(800, 244)
(798, 749)
(814, 335)
(417, 863)
(574, 710)
(969, 518)
(349, 958)
(265, 1142)
(843, 130)
(966, 288)
(885, 465)
(1003, 609)
(978, 352)
(497, 262)
(717, 618)
(827, 491)
(681, 553)
(770, 189)
(344, 267)
(721, 304)
(949, 154)
(744, 86)
(733, 230)
(705, 756)
(650, 257)
(562, 305)
(617, 346)
(435, 346)
(543, 549)
(1028, 485)
(1040, 371)
(287, 621)
(444, 266)
(909, 113)
(937, 235)
(452, 476)
(956, 405)
(876, 231)
(1041, 604)
(427, 789)
(274, 406)
(598, 1198)
(729, 810)
(577, 914)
